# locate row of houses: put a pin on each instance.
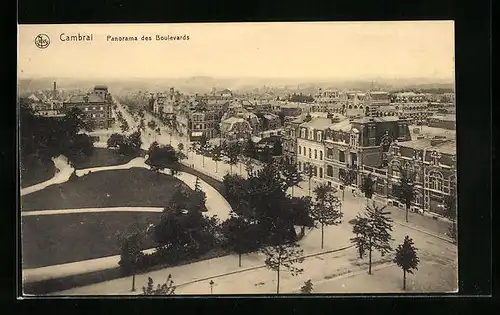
(375, 146)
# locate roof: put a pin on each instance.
(344, 125)
(444, 117)
(432, 131)
(232, 120)
(33, 98)
(318, 123)
(446, 147)
(92, 98)
(270, 116)
(365, 120)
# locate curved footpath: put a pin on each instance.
(63, 172)
(216, 205)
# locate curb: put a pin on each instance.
(449, 240)
(349, 274)
(425, 232)
(260, 266)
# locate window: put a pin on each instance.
(320, 172)
(102, 108)
(315, 171)
(319, 135)
(436, 181)
(86, 109)
(93, 115)
(329, 171)
(309, 152)
(303, 133)
(341, 156)
(300, 165)
(329, 153)
(315, 154)
(321, 155)
(300, 149)
(311, 134)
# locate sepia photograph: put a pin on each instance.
(297, 158)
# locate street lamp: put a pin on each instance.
(211, 283)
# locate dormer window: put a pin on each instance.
(303, 133)
(319, 136)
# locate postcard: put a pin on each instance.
(237, 158)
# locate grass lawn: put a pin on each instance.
(38, 173)
(134, 187)
(103, 157)
(64, 238)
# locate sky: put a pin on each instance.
(346, 50)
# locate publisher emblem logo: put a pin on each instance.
(42, 41)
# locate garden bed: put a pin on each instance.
(38, 172)
(135, 187)
(64, 238)
(103, 157)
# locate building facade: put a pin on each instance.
(433, 161)
(96, 106)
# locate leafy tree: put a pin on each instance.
(291, 174)
(372, 230)
(404, 190)
(216, 155)
(168, 288)
(249, 166)
(309, 173)
(300, 211)
(161, 157)
(131, 254)
(115, 141)
(249, 149)
(152, 125)
(406, 258)
(241, 236)
(367, 187)
(232, 153)
(186, 233)
(203, 148)
(450, 212)
(279, 256)
(124, 126)
(307, 288)
(134, 141)
(75, 120)
(326, 208)
(347, 178)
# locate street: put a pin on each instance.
(340, 271)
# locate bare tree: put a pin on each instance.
(372, 230)
(325, 210)
(285, 256)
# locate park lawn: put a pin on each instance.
(64, 238)
(38, 173)
(135, 187)
(103, 157)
